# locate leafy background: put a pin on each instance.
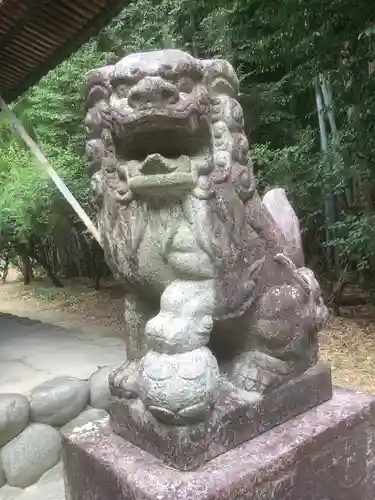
(285, 54)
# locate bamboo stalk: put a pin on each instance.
(327, 96)
(328, 197)
(47, 167)
(322, 123)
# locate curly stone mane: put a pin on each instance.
(226, 167)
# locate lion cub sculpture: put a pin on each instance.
(217, 288)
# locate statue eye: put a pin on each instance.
(185, 84)
(122, 90)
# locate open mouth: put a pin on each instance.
(156, 150)
(158, 176)
(164, 134)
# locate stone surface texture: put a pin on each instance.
(99, 388)
(14, 416)
(237, 417)
(85, 417)
(28, 456)
(327, 453)
(279, 207)
(217, 286)
(59, 400)
(49, 487)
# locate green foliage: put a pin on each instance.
(22, 205)
(52, 112)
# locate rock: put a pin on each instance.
(28, 456)
(99, 388)
(58, 401)
(52, 474)
(87, 416)
(51, 491)
(10, 493)
(49, 487)
(2, 475)
(14, 416)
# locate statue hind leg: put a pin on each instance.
(282, 331)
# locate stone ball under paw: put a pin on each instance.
(179, 387)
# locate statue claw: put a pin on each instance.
(123, 381)
(259, 372)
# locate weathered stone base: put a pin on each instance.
(328, 453)
(237, 417)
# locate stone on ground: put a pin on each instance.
(52, 474)
(99, 388)
(49, 487)
(91, 415)
(59, 400)
(28, 456)
(14, 416)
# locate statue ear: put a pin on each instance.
(220, 77)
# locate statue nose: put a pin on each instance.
(152, 92)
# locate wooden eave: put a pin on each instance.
(36, 35)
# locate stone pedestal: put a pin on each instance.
(327, 453)
(238, 416)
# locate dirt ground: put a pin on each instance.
(77, 305)
(348, 342)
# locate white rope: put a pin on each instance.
(47, 167)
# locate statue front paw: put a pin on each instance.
(124, 381)
(259, 372)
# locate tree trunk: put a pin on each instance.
(52, 276)
(6, 269)
(97, 259)
(26, 268)
(40, 259)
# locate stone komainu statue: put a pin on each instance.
(218, 292)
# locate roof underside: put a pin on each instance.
(36, 35)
